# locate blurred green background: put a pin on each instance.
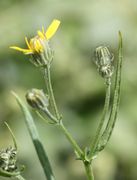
(79, 90)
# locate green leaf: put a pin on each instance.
(36, 140)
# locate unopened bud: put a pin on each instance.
(103, 60)
(37, 99)
(8, 158)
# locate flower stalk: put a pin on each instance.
(74, 144)
(50, 92)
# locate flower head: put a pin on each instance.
(37, 44)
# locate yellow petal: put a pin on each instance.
(38, 46)
(41, 34)
(52, 29)
(28, 52)
(26, 40)
(25, 51)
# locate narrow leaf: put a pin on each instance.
(36, 140)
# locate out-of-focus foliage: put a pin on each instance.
(79, 90)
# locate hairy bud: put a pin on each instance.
(8, 158)
(103, 60)
(37, 99)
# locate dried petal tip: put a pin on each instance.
(103, 60)
(37, 99)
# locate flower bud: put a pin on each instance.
(37, 99)
(103, 60)
(8, 158)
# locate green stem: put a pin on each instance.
(105, 110)
(89, 171)
(50, 91)
(48, 113)
(71, 140)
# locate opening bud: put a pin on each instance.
(43, 53)
(37, 99)
(103, 60)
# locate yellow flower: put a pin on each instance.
(36, 44)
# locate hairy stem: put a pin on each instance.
(50, 91)
(71, 140)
